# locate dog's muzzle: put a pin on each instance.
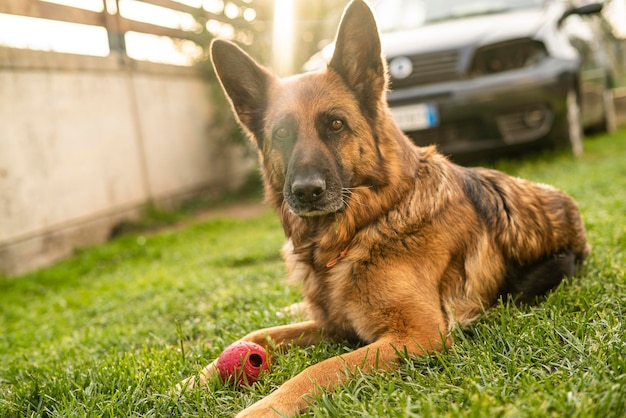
(310, 196)
(308, 191)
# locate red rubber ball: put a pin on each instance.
(242, 362)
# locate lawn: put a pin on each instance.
(110, 331)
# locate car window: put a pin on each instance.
(393, 15)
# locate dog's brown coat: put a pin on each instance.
(393, 244)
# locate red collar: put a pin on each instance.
(341, 255)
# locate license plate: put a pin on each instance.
(415, 117)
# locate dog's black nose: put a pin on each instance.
(308, 190)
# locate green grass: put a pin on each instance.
(110, 331)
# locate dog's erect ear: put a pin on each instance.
(358, 57)
(245, 82)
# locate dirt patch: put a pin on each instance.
(240, 210)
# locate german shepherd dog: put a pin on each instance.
(393, 244)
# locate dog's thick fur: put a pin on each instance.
(393, 244)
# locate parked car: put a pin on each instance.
(480, 76)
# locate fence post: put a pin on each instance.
(117, 45)
(117, 42)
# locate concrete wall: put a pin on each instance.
(86, 141)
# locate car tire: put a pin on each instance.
(573, 123)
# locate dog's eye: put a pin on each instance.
(281, 133)
(336, 125)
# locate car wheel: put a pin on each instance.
(573, 123)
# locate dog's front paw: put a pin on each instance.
(255, 411)
(283, 403)
(185, 385)
(201, 379)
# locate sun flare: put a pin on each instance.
(283, 37)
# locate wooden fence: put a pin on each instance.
(117, 25)
(87, 141)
